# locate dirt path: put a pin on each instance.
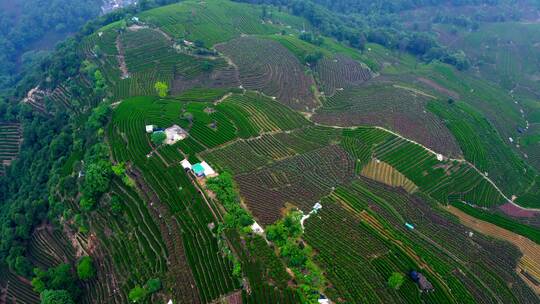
(508, 200)
(461, 161)
(438, 87)
(529, 262)
(222, 98)
(121, 59)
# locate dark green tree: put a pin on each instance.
(137, 294)
(153, 285)
(56, 297)
(158, 137)
(85, 268)
(396, 280)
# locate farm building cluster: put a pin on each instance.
(173, 133)
(200, 170)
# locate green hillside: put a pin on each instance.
(224, 152)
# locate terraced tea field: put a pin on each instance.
(392, 107)
(10, 141)
(439, 246)
(489, 154)
(210, 22)
(170, 189)
(340, 72)
(384, 173)
(267, 66)
(334, 175)
(14, 289)
(299, 181)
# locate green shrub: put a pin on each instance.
(85, 269)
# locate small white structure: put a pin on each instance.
(208, 171)
(150, 128)
(314, 210)
(256, 228)
(186, 164)
(511, 139)
(440, 157)
(323, 299)
(174, 134)
(135, 19)
(170, 302)
(188, 43)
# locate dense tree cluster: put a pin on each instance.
(26, 22)
(358, 22)
(57, 283)
(27, 190)
(224, 188)
(138, 294)
(286, 235)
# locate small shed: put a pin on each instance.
(150, 128)
(186, 164)
(424, 284)
(208, 171)
(170, 302)
(421, 280)
(409, 226)
(323, 299)
(198, 169)
(256, 228)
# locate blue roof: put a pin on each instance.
(198, 169)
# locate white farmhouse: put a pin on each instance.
(150, 128)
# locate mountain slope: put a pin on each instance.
(294, 129)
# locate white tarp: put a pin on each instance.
(186, 164)
(256, 228)
(208, 171)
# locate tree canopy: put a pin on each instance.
(158, 137)
(137, 294)
(396, 280)
(56, 297)
(85, 268)
(162, 89)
